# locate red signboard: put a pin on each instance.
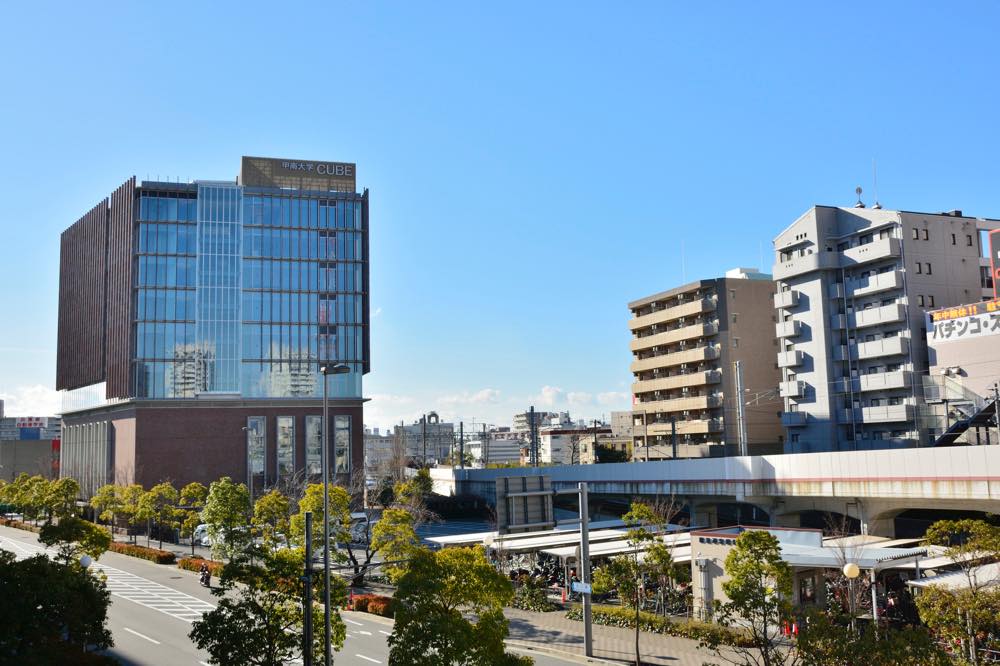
(32, 421)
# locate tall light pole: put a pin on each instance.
(327, 370)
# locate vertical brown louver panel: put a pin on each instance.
(366, 297)
(80, 346)
(121, 218)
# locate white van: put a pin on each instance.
(200, 536)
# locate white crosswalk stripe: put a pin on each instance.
(133, 588)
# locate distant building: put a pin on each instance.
(499, 446)
(853, 284)
(521, 421)
(379, 451)
(561, 445)
(685, 342)
(29, 445)
(590, 447)
(621, 424)
(427, 440)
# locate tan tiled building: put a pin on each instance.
(685, 342)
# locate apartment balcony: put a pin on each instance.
(840, 353)
(794, 419)
(836, 290)
(876, 283)
(788, 329)
(665, 315)
(884, 347)
(882, 381)
(686, 427)
(792, 389)
(690, 403)
(801, 265)
(789, 359)
(838, 322)
(677, 381)
(786, 299)
(887, 314)
(676, 335)
(880, 414)
(882, 248)
(695, 355)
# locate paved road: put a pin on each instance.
(152, 607)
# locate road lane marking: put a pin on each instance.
(133, 631)
(353, 622)
(374, 661)
(365, 633)
(384, 632)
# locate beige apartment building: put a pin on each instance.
(685, 343)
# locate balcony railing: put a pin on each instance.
(788, 329)
(881, 381)
(786, 299)
(688, 309)
(877, 249)
(789, 359)
(876, 283)
(699, 330)
(690, 403)
(688, 427)
(694, 355)
(677, 381)
(884, 347)
(807, 264)
(880, 414)
(792, 389)
(887, 314)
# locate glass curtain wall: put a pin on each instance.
(302, 294)
(166, 365)
(219, 232)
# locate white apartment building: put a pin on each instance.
(852, 286)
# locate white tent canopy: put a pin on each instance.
(985, 575)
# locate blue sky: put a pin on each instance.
(533, 166)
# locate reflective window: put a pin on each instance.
(286, 446)
(314, 444)
(342, 444)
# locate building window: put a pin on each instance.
(736, 343)
(256, 444)
(732, 293)
(920, 300)
(794, 437)
(953, 241)
(928, 271)
(342, 444)
(734, 317)
(286, 446)
(930, 301)
(919, 269)
(314, 445)
(895, 401)
(916, 233)
(968, 240)
(926, 237)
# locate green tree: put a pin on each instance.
(29, 494)
(226, 514)
(259, 617)
(75, 537)
(51, 612)
(416, 489)
(824, 642)
(60, 498)
(607, 454)
(270, 518)
(192, 501)
(968, 613)
(107, 502)
(129, 507)
(340, 518)
(435, 597)
(159, 503)
(395, 538)
(759, 587)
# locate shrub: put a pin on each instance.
(194, 564)
(151, 554)
(17, 524)
(532, 599)
(615, 616)
(375, 604)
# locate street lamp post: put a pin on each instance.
(327, 370)
(851, 571)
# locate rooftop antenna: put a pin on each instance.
(877, 205)
(860, 204)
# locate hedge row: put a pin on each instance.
(20, 525)
(375, 604)
(616, 616)
(194, 564)
(151, 554)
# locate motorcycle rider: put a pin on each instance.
(204, 575)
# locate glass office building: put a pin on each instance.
(234, 294)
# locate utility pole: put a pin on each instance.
(996, 407)
(588, 630)
(461, 445)
(673, 436)
(741, 409)
(485, 451)
(534, 436)
(307, 601)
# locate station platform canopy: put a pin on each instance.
(473, 538)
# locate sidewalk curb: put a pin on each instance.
(578, 658)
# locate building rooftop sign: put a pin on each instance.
(298, 174)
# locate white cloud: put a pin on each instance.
(551, 395)
(377, 312)
(483, 396)
(579, 398)
(36, 400)
(613, 398)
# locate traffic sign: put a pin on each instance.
(582, 588)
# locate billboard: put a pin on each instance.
(967, 321)
(32, 421)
